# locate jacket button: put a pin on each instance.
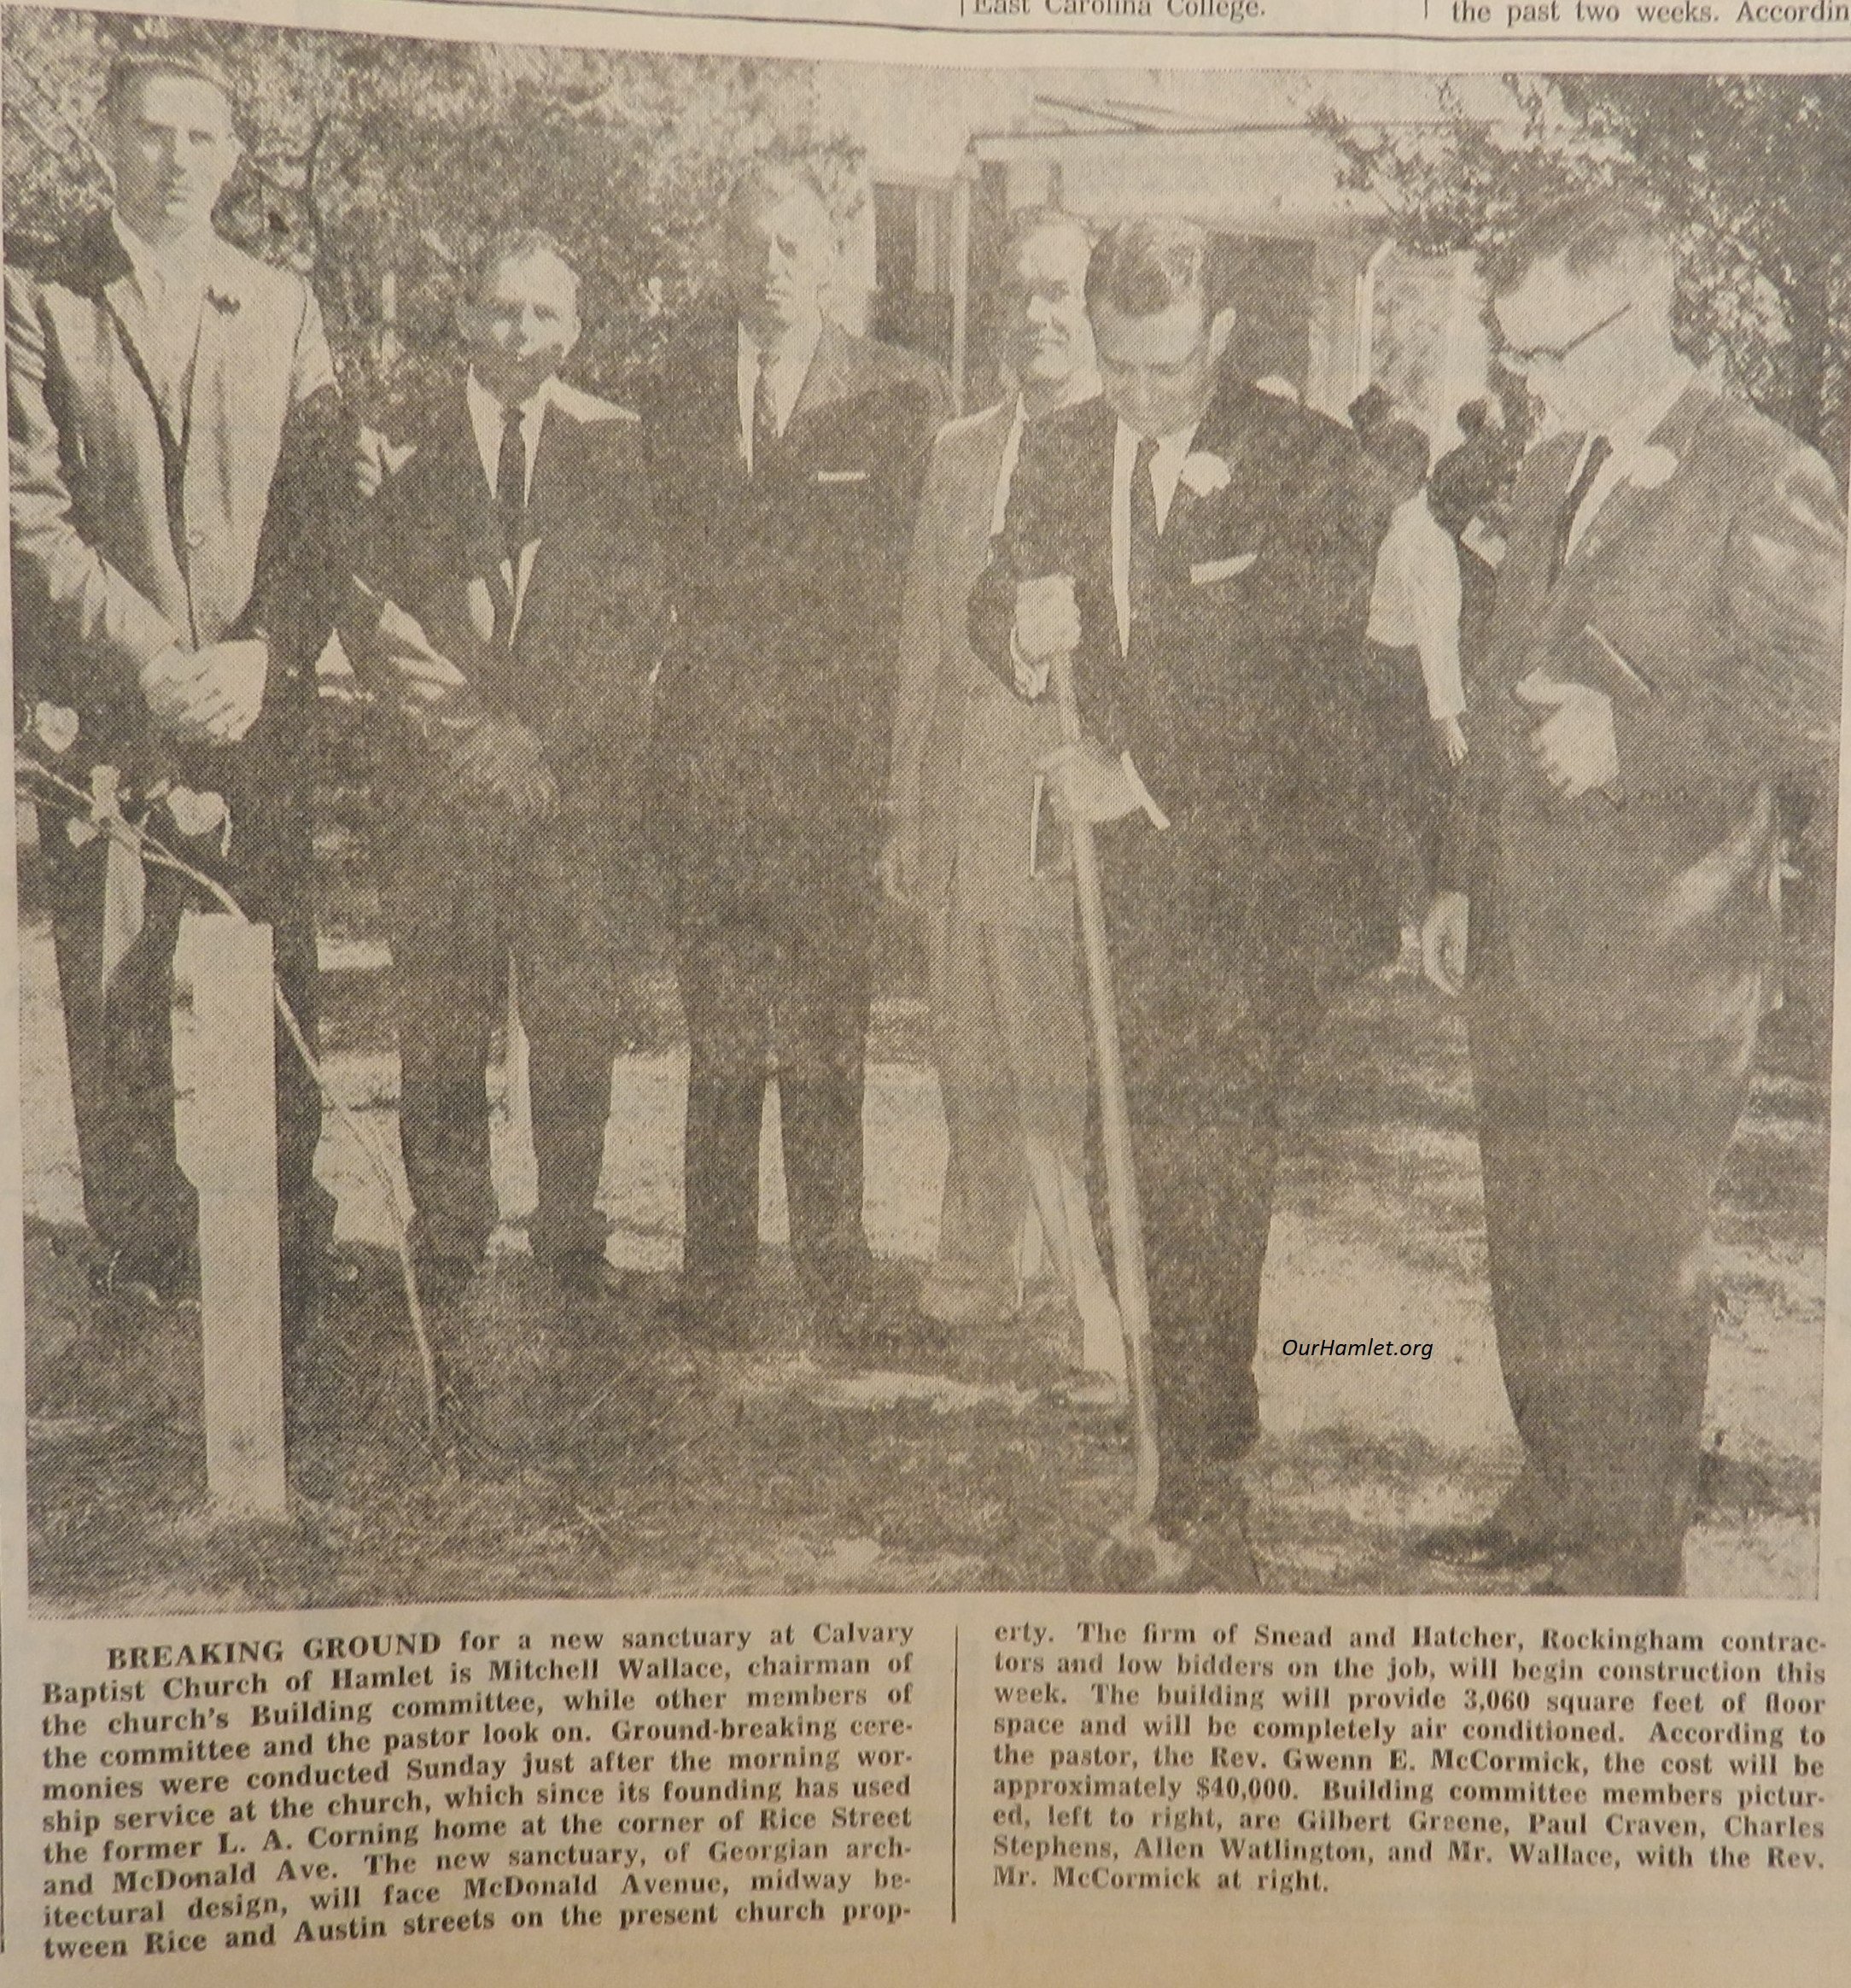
(196, 538)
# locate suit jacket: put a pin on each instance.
(1706, 598)
(137, 522)
(439, 590)
(1240, 699)
(775, 699)
(965, 747)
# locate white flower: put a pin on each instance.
(1650, 468)
(56, 725)
(194, 814)
(1206, 473)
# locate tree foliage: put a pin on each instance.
(378, 165)
(1755, 173)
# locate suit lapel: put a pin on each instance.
(219, 312)
(827, 382)
(1630, 505)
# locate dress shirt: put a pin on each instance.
(486, 420)
(1628, 435)
(1165, 472)
(789, 369)
(1415, 601)
(172, 280)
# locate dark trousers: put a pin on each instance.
(137, 1201)
(785, 976)
(1215, 1014)
(1415, 777)
(464, 898)
(1599, 1159)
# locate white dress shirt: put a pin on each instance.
(1628, 436)
(789, 368)
(1165, 472)
(172, 280)
(486, 419)
(1415, 601)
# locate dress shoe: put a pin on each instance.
(709, 1307)
(1486, 1546)
(148, 1281)
(591, 1276)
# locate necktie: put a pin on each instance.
(764, 417)
(1597, 453)
(1141, 584)
(510, 481)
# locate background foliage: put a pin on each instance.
(1754, 171)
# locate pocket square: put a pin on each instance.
(1205, 572)
(842, 476)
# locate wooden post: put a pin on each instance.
(234, 1156)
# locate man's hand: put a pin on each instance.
(1046, 625)
(1450, 735)
(1089, 786)
(376, 461)
(1574, 747)
(899, 867)
(499, 758)
(210, 697)
(1443, 941)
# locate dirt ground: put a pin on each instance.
(619, 1457)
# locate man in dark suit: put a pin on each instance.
(1667, 646)
(180, 468)
(1205, 551)
(509, 611)
(788, 456)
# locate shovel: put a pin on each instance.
(1134, 1556)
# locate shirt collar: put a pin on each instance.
(157, 270)
(794, 355)
(484, 407)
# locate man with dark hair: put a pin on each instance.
(966, 847)
(1666, 648)
(179, 467)
(787, 457)
(1203, 550)
(511, 613)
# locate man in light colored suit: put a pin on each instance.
(179, 467)
(509, 616)
(1666, 650)
(1008, 1024)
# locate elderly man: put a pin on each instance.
(1667, 646)
(511, 613)
(179, 464)
(1204, 551)
(964, 848)
(788, 456)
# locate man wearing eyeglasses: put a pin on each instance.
(1666, 648)
(1204, 551)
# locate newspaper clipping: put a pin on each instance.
(924, 927)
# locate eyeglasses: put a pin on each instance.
(1524, 362)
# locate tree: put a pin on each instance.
(378, 165)
(1752, 171)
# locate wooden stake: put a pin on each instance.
(234, 1163)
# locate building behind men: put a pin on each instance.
(178, 466)
(1666, 648)
(787, 457)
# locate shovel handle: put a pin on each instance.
(1115, 1129)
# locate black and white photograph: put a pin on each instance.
(792, 827)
